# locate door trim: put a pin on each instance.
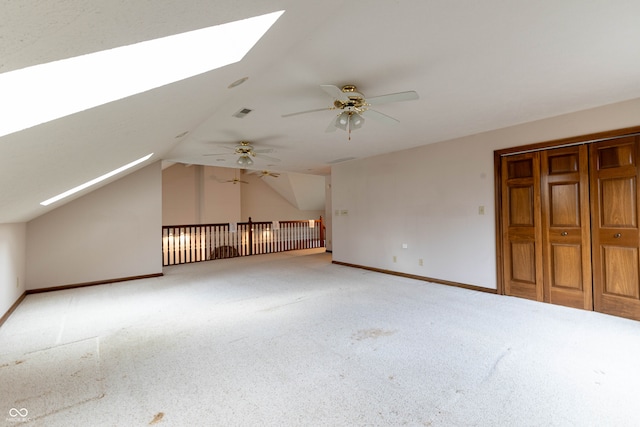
(497, 173)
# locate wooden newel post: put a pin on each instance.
(321, 232)
(250, 237)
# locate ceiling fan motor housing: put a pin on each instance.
(353, 102)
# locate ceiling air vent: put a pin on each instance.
(242, 113)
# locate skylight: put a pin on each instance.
(95, 181)
(45, 92)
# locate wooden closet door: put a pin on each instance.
(521, 226)
(614, 207)
(566, 233)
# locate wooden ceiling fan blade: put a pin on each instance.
(393, 97)
(380, 117)
(307, 111)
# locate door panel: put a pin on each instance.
(566, 262)
(617, 203)
(565, 221)
(522, 266)
(521, 208)
(565, 204)
(620, 270)
(614, 210)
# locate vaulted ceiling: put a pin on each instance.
(476, 66)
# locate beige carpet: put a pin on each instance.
(292, 340)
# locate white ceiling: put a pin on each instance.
(476, 65)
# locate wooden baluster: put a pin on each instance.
(207, 252)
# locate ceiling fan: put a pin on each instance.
(234, 181)
(237, 180)
(265, 173)
(245, 151)
(355, 107)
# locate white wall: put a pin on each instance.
(220, 200)
(111, 233)
(429, 198)
(196, 195)
(180, 199)
(263, 203)
(12, 264)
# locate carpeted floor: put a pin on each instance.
(292, 340)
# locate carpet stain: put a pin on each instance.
(17, 362)
(373, 333)
(157, 418)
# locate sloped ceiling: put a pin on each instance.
(477, 66)
(305, 192)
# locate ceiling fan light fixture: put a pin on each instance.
(342, 121)
(348, 121)
(245, 161)
(356, 121)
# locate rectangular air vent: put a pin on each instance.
(242, 112)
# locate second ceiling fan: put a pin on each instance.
(355, 107)
(246, 151)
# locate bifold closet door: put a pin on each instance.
(614, 221)
(566, 233)
(521, 226)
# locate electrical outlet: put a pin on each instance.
(405, 246)
(420, 263)
(395, 259)
(480, 210)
